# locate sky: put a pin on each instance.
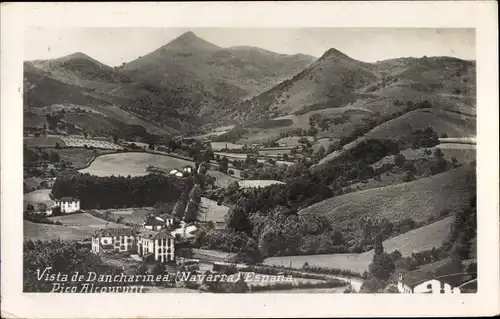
(113, 46)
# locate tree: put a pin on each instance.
(158, 269)
(321, 151)
(115, 138)
(223, 165)
(382, 266)
(58, 146)
(180, 206)
(378, 247)
(399, 160)
(230, 172)
(237, 220)
(30, 208)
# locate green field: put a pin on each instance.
(79, 157)
(414, 241)
(418, 199)
(40, 196)
(86, 221)
(214, 213)
(257, 183)
(130, 215)
(52, 232)
(43, 141)
(216, 146)
(132, 163)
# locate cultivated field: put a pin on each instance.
(51, 232)
(130, 215)
(342, 261)
(86, 221)
(222, 180)
(214, 212)
(418, 200)
(464, 153)
(43, 141)
(453, 124)
(293, 140)
(79, 157)
(414, 241)
(217, 146)
(40, 196)
(132, 163)
(257, 183)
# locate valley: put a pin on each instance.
(290, 163)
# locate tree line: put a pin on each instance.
(97, 192)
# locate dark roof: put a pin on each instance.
(146, 233)
(67, 199)
(109, 232)
(166, 216)
(153, 222)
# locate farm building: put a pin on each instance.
(151, 223)
(430, 286)
(160, 245)
(176, 173)
(113, 240)
(166, 219)
(68, 204)
(188, 169)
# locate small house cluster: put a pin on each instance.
(181, 173)
(66, 204)
(156, 239)
(429, 286)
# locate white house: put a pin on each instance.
(430, 286)
(113, 240)
(176, 173)
(160, 245)
(166, 219)
(68, 204)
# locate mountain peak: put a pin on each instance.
(191, 41)
(335, 54)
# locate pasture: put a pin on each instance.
(418, 199)
(132, 163)
(86, 221)
(414, 241)
(36, 231)
(249, 183)
(40, 196)
(43, 141)
(217, 146)
(214, 212)
(130, 215)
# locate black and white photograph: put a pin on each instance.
(238, 160)
(224, 166)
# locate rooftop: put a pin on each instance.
(109, 232)
(67, 199)
(146, 233)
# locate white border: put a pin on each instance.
(478, 14)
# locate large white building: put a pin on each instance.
(159, 245)
(68, 204)
(114, 240)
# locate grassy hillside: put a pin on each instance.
(414, 241)
(237, 72)
(417, 200)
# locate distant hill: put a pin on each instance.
(333, 76)
(172, 90)
(417, 200)
(213, 75)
